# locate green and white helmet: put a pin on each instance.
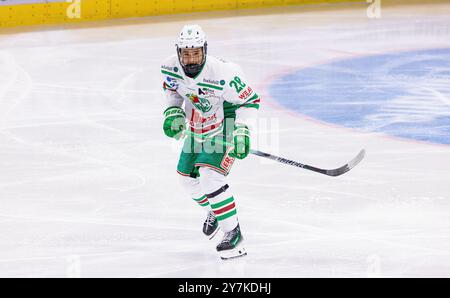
(191, 37)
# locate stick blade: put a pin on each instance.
(347, 167)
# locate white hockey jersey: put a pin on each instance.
(220, 91)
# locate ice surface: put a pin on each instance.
(88, 185)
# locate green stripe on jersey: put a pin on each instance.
(256, 106)
(172, 74)
(253, 98)
(210, 86)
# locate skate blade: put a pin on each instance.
(232, 253)
(210, 237)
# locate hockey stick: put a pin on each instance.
(329, 172)
(333, 172)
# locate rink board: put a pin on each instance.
(39, 12)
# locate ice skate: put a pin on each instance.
(210, 226)
(231, 245)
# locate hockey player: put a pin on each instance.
(211, 104)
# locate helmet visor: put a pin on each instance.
(191, 56)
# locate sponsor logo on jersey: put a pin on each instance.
(169, 68)
(227, 161)
(214, 82)
(170, 83)
(206, 92)
(197, 118)
(246, 93)
(200, 103)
